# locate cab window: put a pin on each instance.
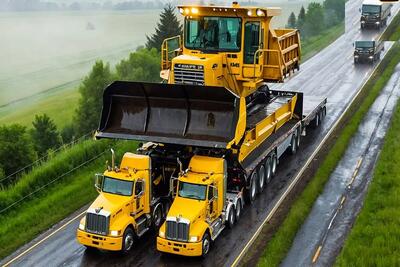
(251, 40)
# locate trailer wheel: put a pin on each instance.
(252, 191)
(274, 163)
(293, 144)
(316, 120)
(205, 244)
(261, 178)
(231, 217)
(268, 169)
(238, 209)
(298, 137)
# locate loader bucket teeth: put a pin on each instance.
(169, 113)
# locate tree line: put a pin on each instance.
(317, 17)
(20, 146)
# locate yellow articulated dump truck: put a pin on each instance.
(215, 119)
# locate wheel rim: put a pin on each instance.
(128, 242)
(157, 217)
(206, 246)
(268, 170)
(298, 139)
(317, 120)
(261, 177)
(232, 217)
(253, 187)
(273, 165)
(238, 209)
(293, 144)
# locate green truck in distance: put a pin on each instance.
(374, 14)
(367, 51)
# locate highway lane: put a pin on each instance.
(329, 73)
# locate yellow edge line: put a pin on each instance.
(299, 174)
(44, 239)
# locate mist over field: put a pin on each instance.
(48, 50)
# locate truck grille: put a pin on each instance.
(189, 74)
(177, 231)
(97, 223)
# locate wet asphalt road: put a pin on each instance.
(328, 74)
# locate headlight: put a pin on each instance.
(370, 57)
(377, 22)
(162, 234)
(194, 239)
(356, 55)
(114, 233)
(81, 226)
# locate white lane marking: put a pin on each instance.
(44, 239)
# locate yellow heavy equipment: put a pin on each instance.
(216, 109)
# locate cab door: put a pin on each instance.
(252, 37)
(140, 195)
(212, 197)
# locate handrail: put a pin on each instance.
(260, 51)
(165, 62)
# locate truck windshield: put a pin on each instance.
(116, 186)
(213, 34)
(365, 44)
(194, 191)
(371, 9)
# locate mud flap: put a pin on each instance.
(169, 113)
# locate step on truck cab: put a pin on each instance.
(133, 198)
(201, 209)
(367, 51)
(374, 14)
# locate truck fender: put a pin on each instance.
(126, 221)
(229, 206)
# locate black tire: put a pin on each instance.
(238, 209)
(251, 193)
(127, 240)
(274, 164)
(298, 138)
(261, 178)
(316, 121)
(206, 244)
(157, 217)
(293, 144)
(268, 173)
(90, 249)
(231, 218)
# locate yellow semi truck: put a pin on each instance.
(216, 109)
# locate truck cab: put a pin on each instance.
(367, 51)
(201, 209)
(374, 14)
(133, 199)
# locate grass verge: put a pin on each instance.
(376, 232)
(280, 243)
(24, 222)
(59, 105)
(392, 32)
(315, 44)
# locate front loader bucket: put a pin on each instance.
(169, 113)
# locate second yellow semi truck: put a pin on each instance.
(214, 122)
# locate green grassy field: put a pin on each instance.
(58, 104)
(277, 248)
(36, 214)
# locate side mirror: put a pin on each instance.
(173, 184)
(353, 44)
(139, 191)
(98, 181)
(359, 10)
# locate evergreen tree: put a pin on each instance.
(314, 23)
(44, 134)
(68, 134)
(16, 149)
(142, 65)
(301, 18)
(168, 26)
(292, 21)
(87, 115)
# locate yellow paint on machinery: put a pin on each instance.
(255, 55)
